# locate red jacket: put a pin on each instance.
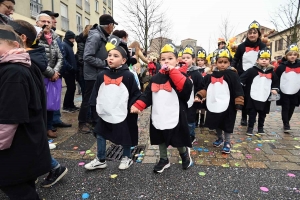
(151, 68)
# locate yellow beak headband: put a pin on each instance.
(189, 50)
(114, 42)
(180, 52)
(223, 53)
(201, 53)
(169, 48)
(264, 53)
(292, 48)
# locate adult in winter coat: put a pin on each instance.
(6, 9)
(246, 55)
(49, 41)
(94, 58)
(68, 71)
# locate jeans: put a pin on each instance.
(54, 163)
(70, 93)
(192, 127)
(85, 106)
(56, 117)
(252, 118)
(49, 120)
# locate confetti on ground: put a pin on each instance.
(199, 149)
(88, 151)
(235, 191)
(91, 154)
(206, 150)
(113, 176)
(206, 141)
(75, 148)
(259, 145)
(82, 152)
(85, 195)
(296, 138)
(224, 155)
(200, 161)
(237, 164)
(202, 173)
(257, 149)
(248, 156)
(298, 147)
(194, 153)
(264, 189)
(81, 163)
(291, 175)
(225, 165)
(273, 133)
(180, 161)
(50, 141)
(249, 139)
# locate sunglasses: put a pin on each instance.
(8, 7)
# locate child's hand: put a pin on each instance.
(274, 92)
(134, 109)
(170, 67)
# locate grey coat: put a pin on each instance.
(53, 53)
(94, 53)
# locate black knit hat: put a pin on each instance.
(107, 19)
(69, 35)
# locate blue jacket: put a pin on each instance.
(69, 63)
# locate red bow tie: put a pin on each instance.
(297, 70)
(268, 76)
(252, 49)
(203, 74)
(214, 80)
(108, 80)
(156, 87)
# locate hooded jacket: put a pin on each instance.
(69, 64)
(38, 57)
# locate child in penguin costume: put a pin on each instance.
(201, 59)
(259, 81)
(168, 93)
(193, 73)
(224, 96)
(246, 55)
(288, 73)
(114, 93)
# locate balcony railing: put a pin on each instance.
(35, 8)
(79, 3)
(109, 4)
(79, 29)
(65, 23)
(87, 7)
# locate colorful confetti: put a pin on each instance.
(291, 175)
(88, 151)
(81, 163)
(264, 189)
(113, 176)
(75, 148)
(225, 165)
(237, 164)
(202, 173)
(257, 149)
(85, 195)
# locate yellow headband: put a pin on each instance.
(109, 46)
(201, 55)
(188, 51)
(224, 54)
(167, 48)
(265, 55)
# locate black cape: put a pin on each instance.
(22, 101)
(179, 136)
(226, 119)
(126, 132)
(247, 80)
(291, 99)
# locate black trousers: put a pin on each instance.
(287, 111)
(21, 191)
(71, 88)
(85, 106)
(252, 117)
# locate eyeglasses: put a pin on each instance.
(9, 7)
(45, 21)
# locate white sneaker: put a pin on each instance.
(125, 163)
(52, 146)
(95, 164)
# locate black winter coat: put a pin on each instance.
(69, 63)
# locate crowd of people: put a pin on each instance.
(183, 90)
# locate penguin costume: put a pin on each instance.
(195, 76)
(224, 95)
(201, 53)
(289, 77)
(258, 82)
(114, 93)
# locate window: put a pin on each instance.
(64, 17)
(280, 44)
(104, 1)
(109, 4)
(276, 45)
(79, 3)
(104, 10)
(35, 7)
(288, 40)
(97, 6)
(271, 46)
(87, 21)
(79, 23)
(87, 6)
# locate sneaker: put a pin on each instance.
(244, 122)
(287, 128)
(186, 159)
(95, 164)
(52, 146)
(68, 110)
(84, 128)
(54, 176)
(193, 139)
(261, 131)
(62, 125)
(249, 131)
(161, 165)
(226, 147)
(218, 142)
(75, 108)
(125, 163)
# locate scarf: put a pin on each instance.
(21, 57)
(48, 38)
(4, 18)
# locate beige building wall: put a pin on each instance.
(240, 37)
(157, 43)
(189, 41)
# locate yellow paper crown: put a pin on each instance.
(188, 51)
(167, 48)
(265, 55)
(180, 54)
(254, 25)
(109, 46)
(294, 48)
(201, 55)
(224, 54)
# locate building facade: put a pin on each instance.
(157, 43)
(242, 36)
(189, 41)
(74, 15)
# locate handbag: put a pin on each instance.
(53, 91)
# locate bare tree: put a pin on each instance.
(144, 19)
(226, 28)
(162, 37)
(287, 19)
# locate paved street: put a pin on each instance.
(269, 161)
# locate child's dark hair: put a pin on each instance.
(120, 33)
(30, 28)
(13, 1)
(10, 29)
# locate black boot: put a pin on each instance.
(244, 122)
(286, 128)
(202, 120)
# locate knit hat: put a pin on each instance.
(201, 53)
(255, 25)
(223, 53)
(189, 50)
(264, 53)
(69, 35)
(169, 48)
(114, 43)
(292, 48)
(106, 19)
